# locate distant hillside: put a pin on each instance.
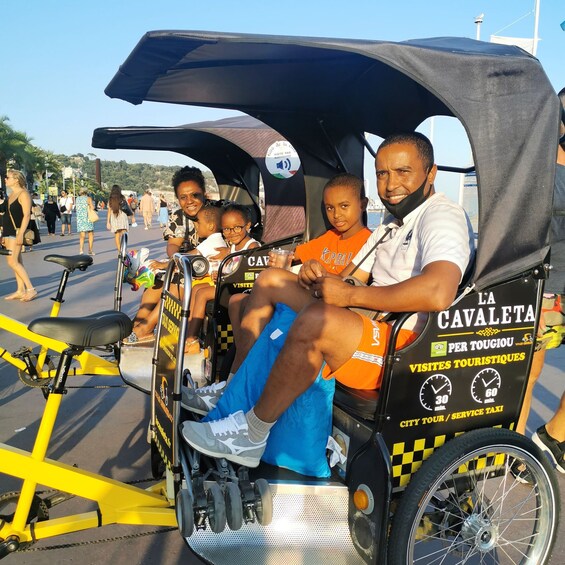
(130, 176)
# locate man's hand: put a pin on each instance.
(333, 290)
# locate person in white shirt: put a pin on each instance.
(417, 268)
(66, 205)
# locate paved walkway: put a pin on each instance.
(104, 429)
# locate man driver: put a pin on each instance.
(416, 268)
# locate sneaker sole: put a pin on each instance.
(194, 410)
(240, 460)
(536, 439)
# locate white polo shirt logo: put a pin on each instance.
(406, 241)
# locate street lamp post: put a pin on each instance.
(478, 22)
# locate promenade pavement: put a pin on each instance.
(102, 424)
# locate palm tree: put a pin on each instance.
(14, 147)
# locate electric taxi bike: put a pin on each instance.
(429, 469)
(36, 364)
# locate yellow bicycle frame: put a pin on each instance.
(89, 363)
(118, 503)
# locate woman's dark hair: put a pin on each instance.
(187, 174)
(240, 209)
(115, 200)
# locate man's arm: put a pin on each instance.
(431, 291)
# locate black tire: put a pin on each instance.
(453, 511)
(234, 506)
(216, 508)
(263, 502)
(157, 463)
(184, 510)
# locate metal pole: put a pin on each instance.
(479, 21)
(536, 26)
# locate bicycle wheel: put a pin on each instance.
(465, 506)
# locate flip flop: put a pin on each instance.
(132, 339)
(192, 347)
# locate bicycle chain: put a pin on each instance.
(94, 542)
(31, 546)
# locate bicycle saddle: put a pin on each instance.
(103, 328)
(70, 262)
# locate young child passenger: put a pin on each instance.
(236, 224)
(344, 204)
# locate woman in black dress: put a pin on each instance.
(15, 222)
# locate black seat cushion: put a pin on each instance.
(103, 328)
(362, 403)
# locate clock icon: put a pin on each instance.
(485, 386)
(435, 392)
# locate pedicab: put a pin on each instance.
(423, 472)
(240, 151)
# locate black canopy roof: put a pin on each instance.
(323, 94)
(234, 150)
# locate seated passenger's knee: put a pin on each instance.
(272, 277)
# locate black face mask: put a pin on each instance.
(410, 203)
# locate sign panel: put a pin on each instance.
(467, 370)
(165, 377)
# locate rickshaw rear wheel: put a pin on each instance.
(465, 504)
(263, 502)
(216, 508)
(234, 506)
(184, 509)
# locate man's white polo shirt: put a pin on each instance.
(438, 230)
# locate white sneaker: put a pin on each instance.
(134, 225)
(226, 438)
(202, 400)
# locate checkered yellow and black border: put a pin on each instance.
(407, 457)
(225, 337)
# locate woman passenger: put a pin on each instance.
(190, 189)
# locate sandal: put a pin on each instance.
(28, 295)
(14, 296)
(192, 347)
(132, 339)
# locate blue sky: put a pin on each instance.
(59, 55)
